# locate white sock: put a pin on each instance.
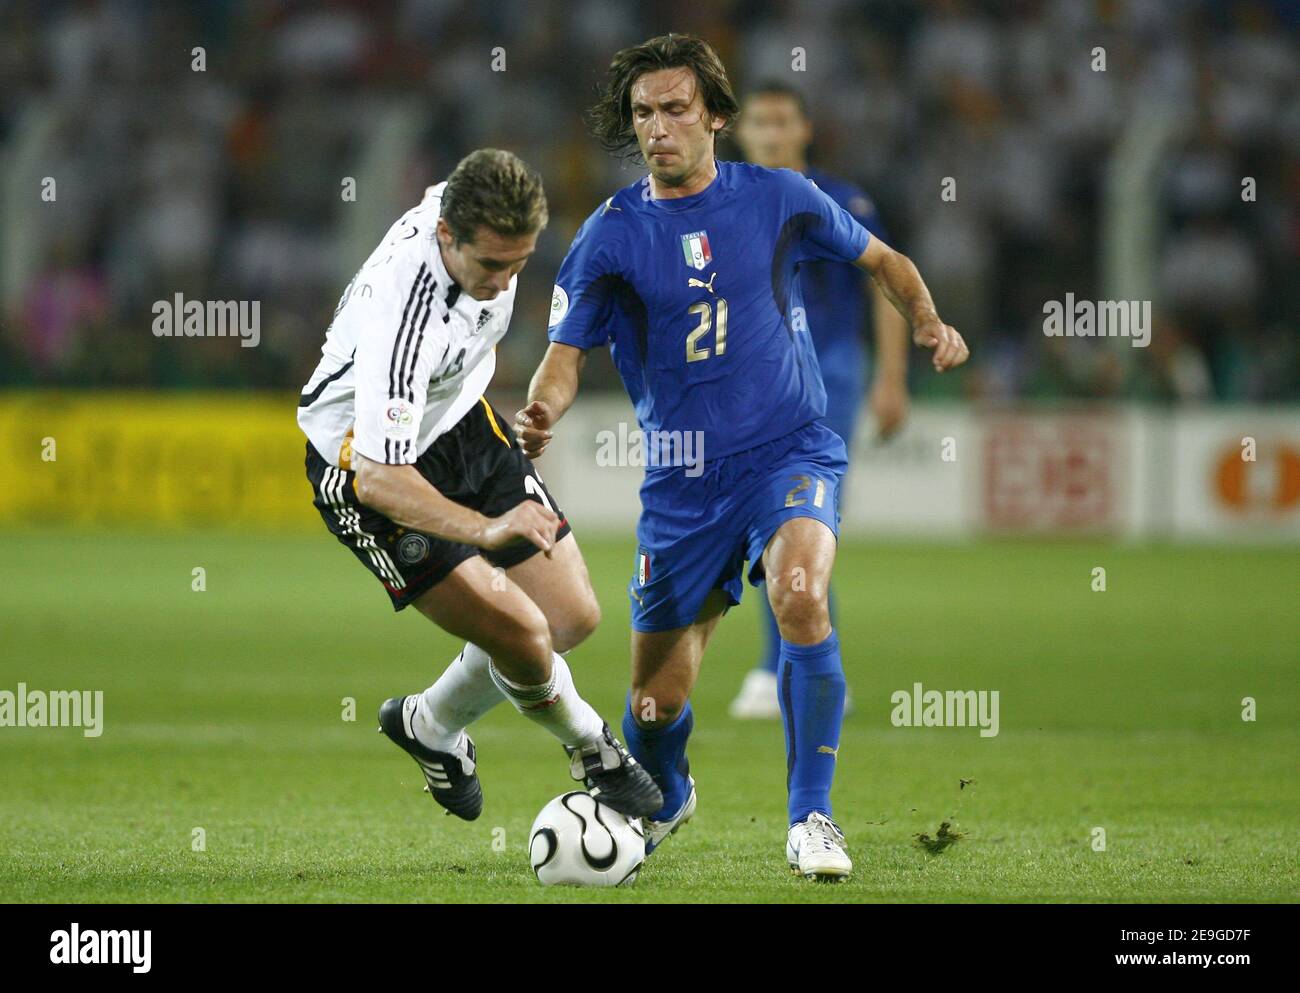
(555, 704)
(462, 694)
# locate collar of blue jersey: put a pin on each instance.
(718, 184)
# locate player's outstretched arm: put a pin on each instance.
(401, 494)
(902, 285)
(551, 392)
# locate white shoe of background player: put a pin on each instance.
(757, 699)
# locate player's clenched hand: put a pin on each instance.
(949, 348)
(529, 521)
(533, 428)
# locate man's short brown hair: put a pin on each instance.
(494, 189)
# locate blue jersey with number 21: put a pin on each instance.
(699, 300)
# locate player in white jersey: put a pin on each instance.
(413, 472)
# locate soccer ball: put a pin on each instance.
(578, 841)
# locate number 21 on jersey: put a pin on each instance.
(705, 312)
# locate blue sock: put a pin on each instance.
(811, 683)
(772, 634)
(663, 753)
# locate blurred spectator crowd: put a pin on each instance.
(225, 183)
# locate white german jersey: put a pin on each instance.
(407, 354)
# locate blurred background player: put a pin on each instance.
(775, 131)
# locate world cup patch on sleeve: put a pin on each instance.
(559, 306)
(398, 417)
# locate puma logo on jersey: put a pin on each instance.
(828, 750)
(692, 281)
(609, 205)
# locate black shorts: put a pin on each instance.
(477, 463)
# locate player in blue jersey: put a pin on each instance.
(775, 131)
(692, 277)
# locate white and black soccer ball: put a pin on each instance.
(578, 841)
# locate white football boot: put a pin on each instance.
(757, 699)
(657, 831)
(815, 849)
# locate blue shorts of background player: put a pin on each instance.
(697, 532)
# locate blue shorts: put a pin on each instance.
(695, 533)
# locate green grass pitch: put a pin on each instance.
(1120, 710)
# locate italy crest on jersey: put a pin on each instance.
(696, 249)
